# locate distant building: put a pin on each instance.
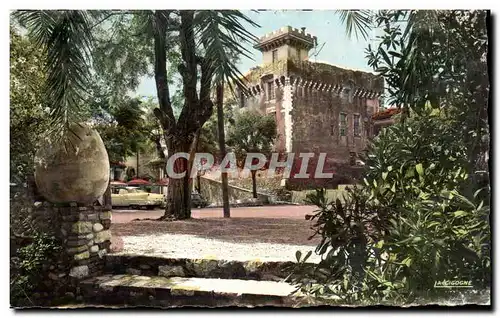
(117, 170)
(146, 165)
(318, 107)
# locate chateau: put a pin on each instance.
(318, 107)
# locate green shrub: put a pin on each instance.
(29, 269)
(415, 222)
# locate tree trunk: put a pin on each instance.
(178, 200)
(198, 183)
(222, 147)
(197, 108)
(254, 183)
(137, 170)
(178, 193)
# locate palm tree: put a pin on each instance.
(215, 33)
(67, 37)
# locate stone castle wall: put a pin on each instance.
(309, 100)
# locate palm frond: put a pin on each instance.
(359, 21)
(223, 36)
(67, 40)
(38, 23)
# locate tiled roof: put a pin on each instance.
(386, 113)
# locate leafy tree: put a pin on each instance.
(424, 185)
(28, 120)
(437, 57)
(68, 36)
(28, 116)
(252, 133)
(126, 133)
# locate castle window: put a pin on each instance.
(357, 124)
(271, 94)
(343, 124)
(275, 55)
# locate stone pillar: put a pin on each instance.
(85, 237)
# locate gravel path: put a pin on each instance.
(234, 230)
(297, 212)
(191, 246)
(265, 233)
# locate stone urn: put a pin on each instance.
(74, 169)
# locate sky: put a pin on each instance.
(339, 49)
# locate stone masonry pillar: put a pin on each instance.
(85, 238)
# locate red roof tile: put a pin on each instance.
(386, 113)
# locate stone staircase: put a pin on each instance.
(138, 280)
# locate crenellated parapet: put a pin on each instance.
(312, 85)
(333, 78)
(286, 36)
(337, 88)
(313, 76)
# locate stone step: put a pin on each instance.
(156, 291)
(200, 267)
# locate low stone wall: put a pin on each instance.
(204, 268)
(211, 190)
(343, 174)
(299, 197)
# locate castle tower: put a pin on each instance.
(286, 43)
(318, 107)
